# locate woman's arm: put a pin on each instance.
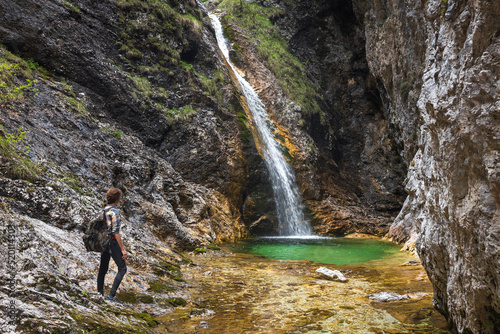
(118, 238)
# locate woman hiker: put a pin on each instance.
(115, 248)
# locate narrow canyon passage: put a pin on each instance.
(242, 293)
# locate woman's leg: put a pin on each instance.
(103, 269)
(117, 255)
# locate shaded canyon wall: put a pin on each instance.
(438, 63)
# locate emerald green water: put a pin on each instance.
(338, 251)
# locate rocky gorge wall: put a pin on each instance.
(312, 75)
(91, 99)
(438, 64)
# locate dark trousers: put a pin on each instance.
(114, 251)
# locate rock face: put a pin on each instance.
(352, 132)
(147, 87)
(86, 104)
(438, 64)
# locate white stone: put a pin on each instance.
(334, 274)
(387, 296)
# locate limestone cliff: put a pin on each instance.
(438, 63)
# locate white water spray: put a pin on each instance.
(289, 206)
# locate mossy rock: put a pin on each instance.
(94, 326)
(186, 259)
(150, 320)
(167, 269)
(146, 299)
(173, 271)
(177, 301)
(199, 250)
(127, 297)
(213, 247)
(6, 208)
(135, 298)
(160, 286)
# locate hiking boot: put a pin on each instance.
(113, 299)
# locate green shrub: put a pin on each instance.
(73, 182)
(16, 76)
(12, 88)
(115, 133)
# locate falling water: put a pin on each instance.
(286, 194)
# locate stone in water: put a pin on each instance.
(387, 296)
(334, 274)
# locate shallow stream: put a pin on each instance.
(235, 292)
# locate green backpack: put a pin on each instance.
(96, 237)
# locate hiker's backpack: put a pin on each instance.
(96, 237)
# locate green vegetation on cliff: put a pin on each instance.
(14, 161)
(159, 46)
(256, 20)
(16, 76)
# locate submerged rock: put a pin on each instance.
(388, 296)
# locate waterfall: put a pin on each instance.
(289, 205)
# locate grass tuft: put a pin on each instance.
(13, 156)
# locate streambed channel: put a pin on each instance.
(235, 291)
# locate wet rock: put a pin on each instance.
(263, 226)
(201, 313)
(333, 274)
(417, 295)
(387, 296)
(412, 263)
(204, 324)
